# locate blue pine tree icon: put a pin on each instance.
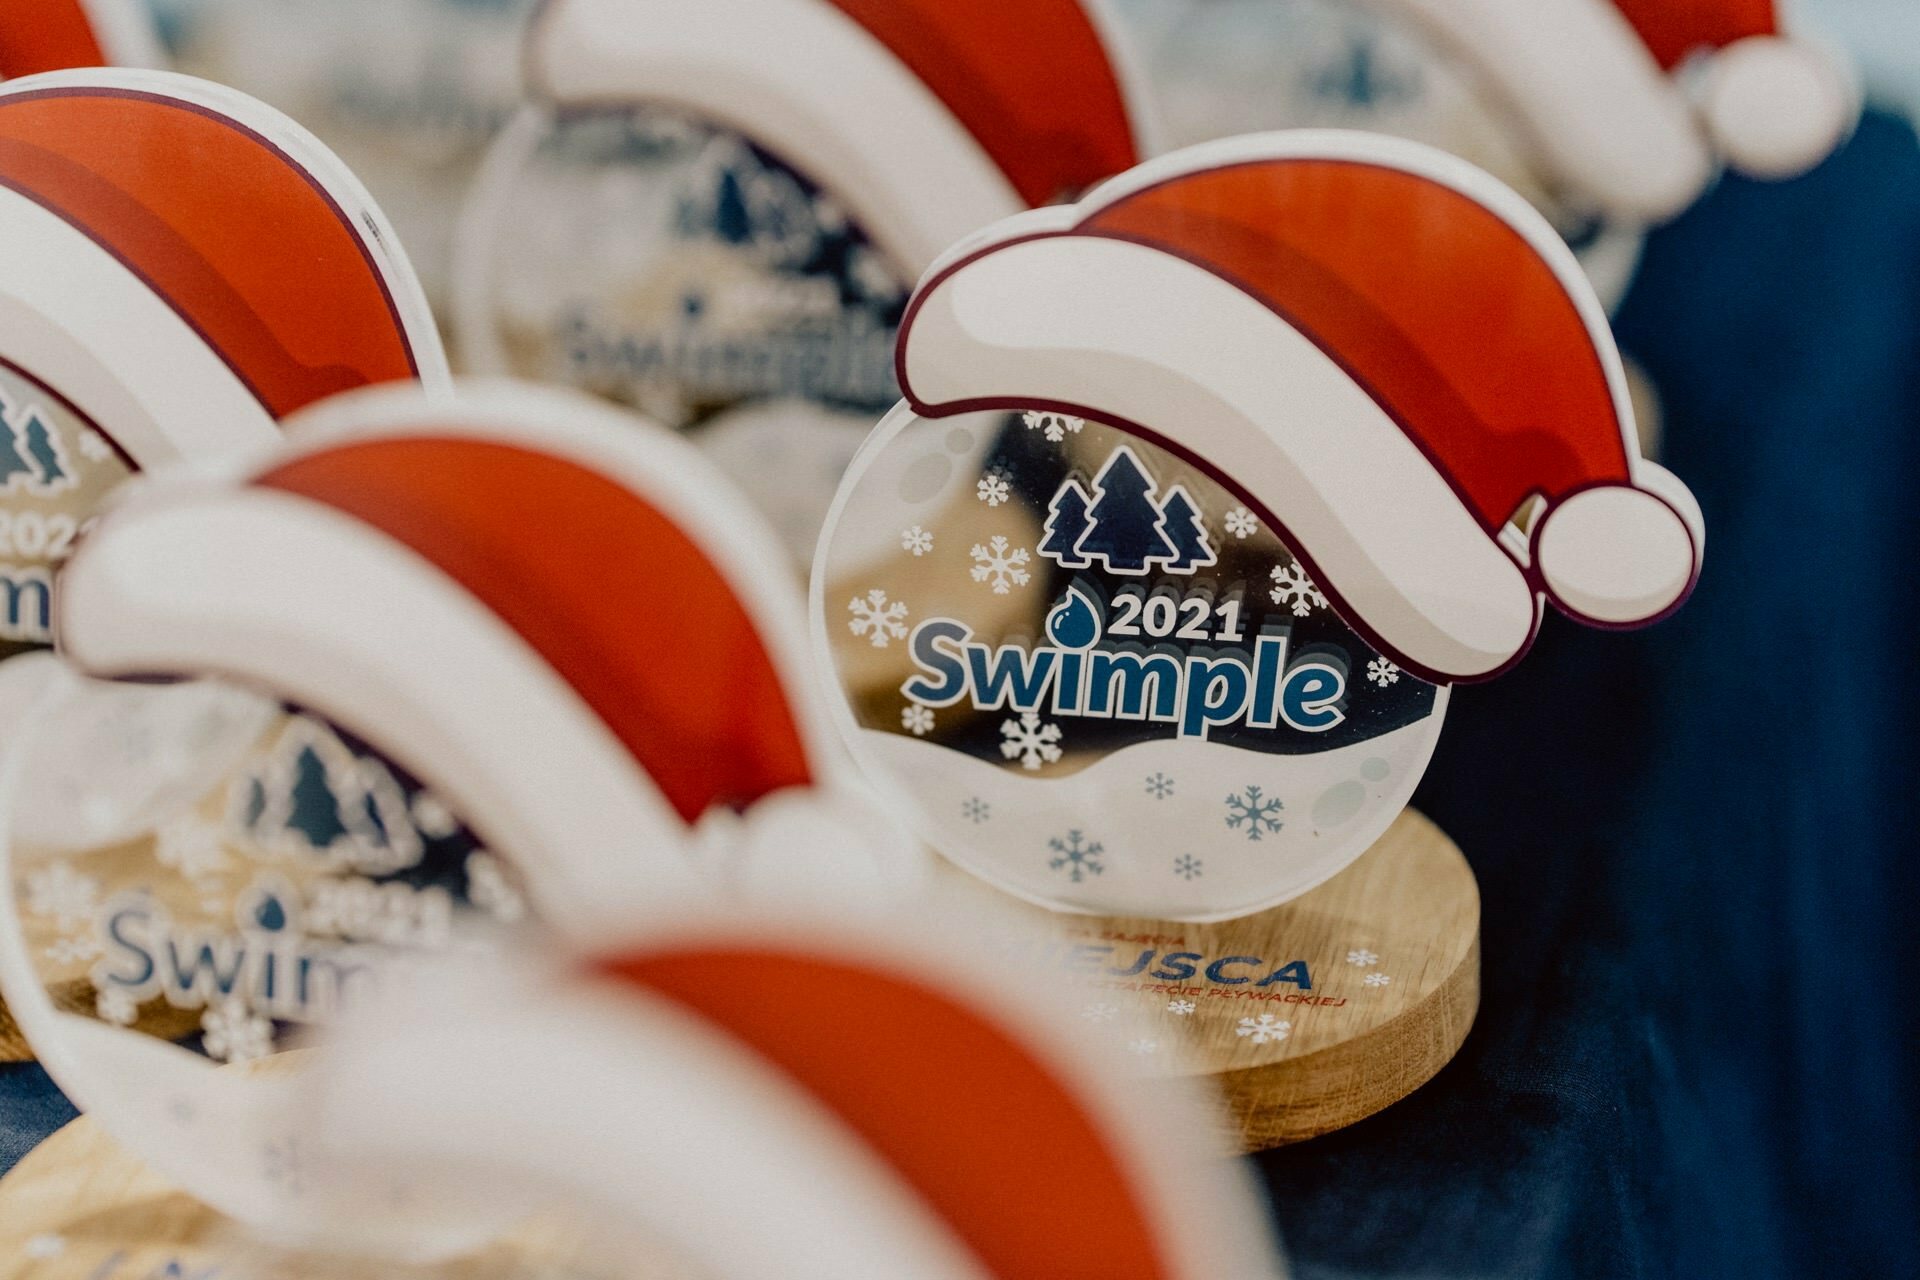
(45, 453)
(1066, 525)
(1127, 534)
(14, 465)
(1189, 536)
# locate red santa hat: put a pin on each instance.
(186, 266)
(1592, 81)
(928, 118)
(558, 617)
(892, 1108)
(1383, 347)
(52, 35)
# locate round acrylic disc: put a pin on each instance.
(1097, 677)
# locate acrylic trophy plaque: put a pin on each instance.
(250, 870)
(1147, 601)
(146, 318)
(691, 222)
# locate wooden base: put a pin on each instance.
(1310, 1016)
(79, 1207)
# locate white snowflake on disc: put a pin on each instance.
(1054, 426)
(232, 1033)
(916, 540)
(114, 1005)
(875, 617)
(1376, 980)
(1382, 672)
(995, 487)
(432, 817)
(73, 950)
(1030, 742)
(94, 447)
(1254, 812)
(1265, 1029)
(916, 720)
(192, 847)
(489, 889)
(1100, 1013)
(1143, 1047)
(1076, 855)
(1003, 566)
(1242, 523)
(1362, 958)
(1293, 588)
(58, 890)
(1159, 786)
(1181, 1008)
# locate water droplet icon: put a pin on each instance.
(1074, 623)
(271, 914)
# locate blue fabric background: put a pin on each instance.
(1696, 1049)
(1696, 1054)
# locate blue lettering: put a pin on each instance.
(1217, 971)
(929, 656)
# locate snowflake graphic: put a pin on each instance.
(1054, 426)
(73, 950)
(1099, 1013)
(1376, 980)
(233, 1034)
(1159, 786)
(116, 1006)
(490, 890)
(976, 810)
(1030, 742)
(1242, 523)
(1143, 1046)
(1293, 587)
(877, 619)
(1254, 811)
(1005, 568)
(1187, 867)
(1382, 672)
(995, 487)
(1181, 1008)
(1265, 1029)
(916, 720)
(432, 817)
(1362, 957)
(191, 847)
(58, 890)
(916, 540)
(94, 447)
(1078, 857)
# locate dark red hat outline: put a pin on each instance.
(235, 235)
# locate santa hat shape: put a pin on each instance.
(888, 1113)
(185, 266)
(53, 35)
(1383, 347)
(556, 616)
(1593, 80)
(928, 118)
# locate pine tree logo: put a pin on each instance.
(1124, 526)
(315, 798)
(32, 459)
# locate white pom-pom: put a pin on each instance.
(1777, 107)
(1615, 555)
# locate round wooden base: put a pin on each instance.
(1309, 1016)
(79, 1207)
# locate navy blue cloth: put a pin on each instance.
(1696, 1049)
